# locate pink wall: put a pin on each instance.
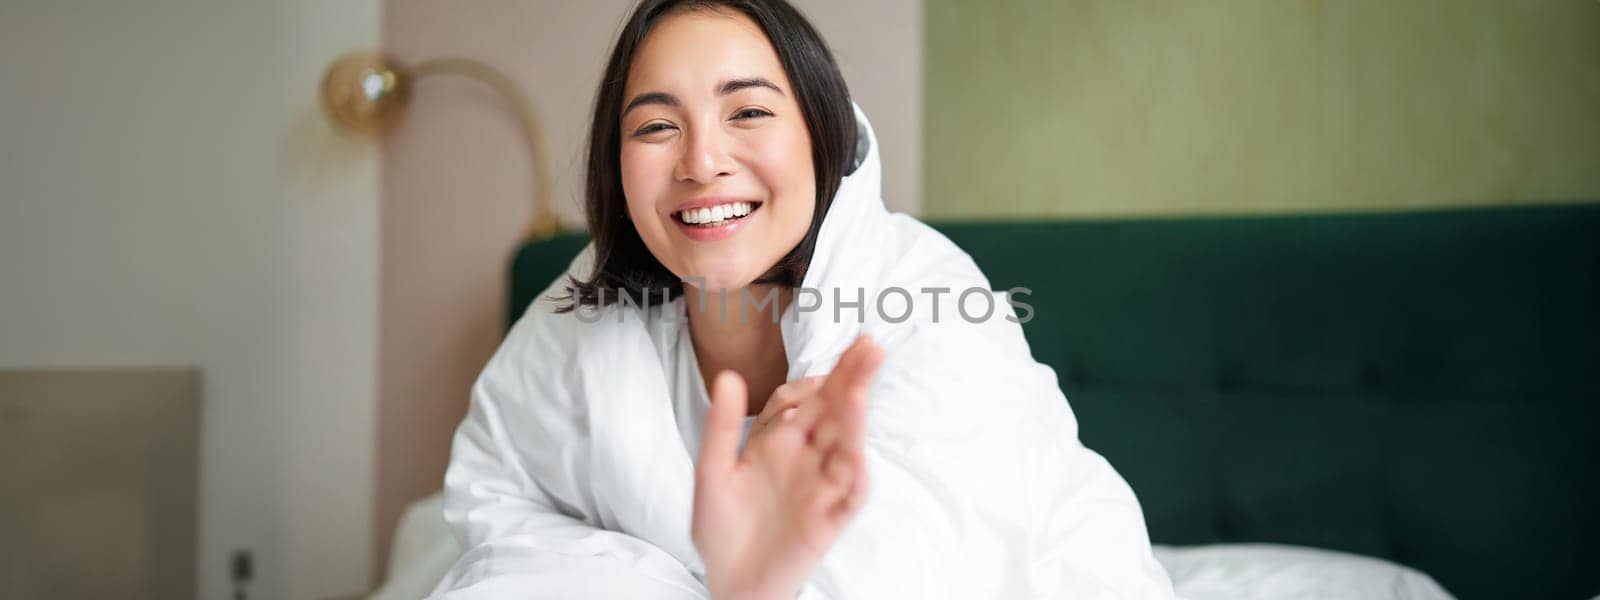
(457, 189)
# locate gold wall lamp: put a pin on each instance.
(368, 93)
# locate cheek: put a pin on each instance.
(642, 180)
(786, 169)
(646, 183)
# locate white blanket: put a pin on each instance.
(569, 478)
(1282, 572)
(424, 550)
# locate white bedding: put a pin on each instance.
(1263, 571)
(424, 550)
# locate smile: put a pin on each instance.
(714, 222)
(713, 216)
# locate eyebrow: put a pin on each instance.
(728, 87)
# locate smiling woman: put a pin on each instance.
(710, 126)
(727, 162)
(697, 110)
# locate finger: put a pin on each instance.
(829, 429)
(839, 471)
(786, 415)
(788, 396)
(847, 405)
(852, 419)
(719, 447)
(803, 386)
(806, 413)
(855, 369)
(775, 407)
(832, 482)
(853, 372)
(809, 384)
(851, 503)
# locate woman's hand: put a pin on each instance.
(764, 519)
(785, 402)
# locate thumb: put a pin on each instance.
(719, 445)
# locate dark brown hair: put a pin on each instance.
(623, 265)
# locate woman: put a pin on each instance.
(739, 238)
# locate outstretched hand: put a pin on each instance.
(764, 519)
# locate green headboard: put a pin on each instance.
(1419, 387)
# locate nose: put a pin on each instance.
(705, 156)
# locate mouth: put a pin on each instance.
(715, 216)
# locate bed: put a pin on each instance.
(424, 550)
(1410, 389)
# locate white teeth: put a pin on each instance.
(716, 214)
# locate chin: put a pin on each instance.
(718, 277)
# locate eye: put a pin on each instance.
(651, 128)
(751, 113)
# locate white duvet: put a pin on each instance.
(1279, 572)
(424, 550)
(569, 477)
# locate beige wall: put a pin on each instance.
(1100, 107)
(457, 190)
(112, 514)
(170, 196)
(878, 44)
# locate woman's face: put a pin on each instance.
(716, 158)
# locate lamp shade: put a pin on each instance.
(366, 92)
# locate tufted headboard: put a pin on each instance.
(1420, 387)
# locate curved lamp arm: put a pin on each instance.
(368, 92)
